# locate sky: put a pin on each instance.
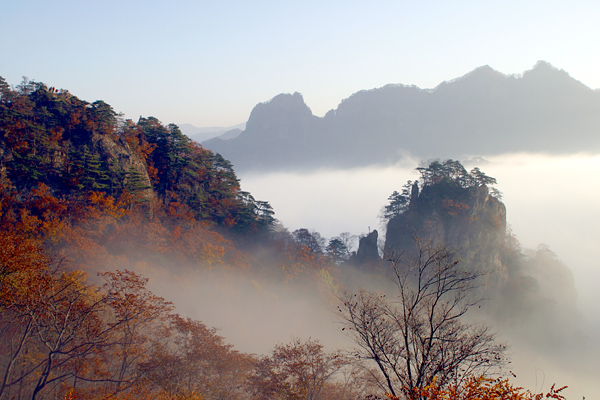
(208, 63)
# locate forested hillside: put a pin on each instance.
(84, 194)
(89, 200)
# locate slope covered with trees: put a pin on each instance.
(85, 199)
(74, 147)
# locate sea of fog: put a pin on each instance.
(552, 200)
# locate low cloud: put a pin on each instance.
(550, 200)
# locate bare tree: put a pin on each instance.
(59, 332)
(304, 370)
(419, 335)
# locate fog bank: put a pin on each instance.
(552, 200)
(252, 314)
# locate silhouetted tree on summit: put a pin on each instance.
(397, 202)
(452, 170)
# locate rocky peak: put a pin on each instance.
(543, 67)
(469, 220)
(529, 292)
(368, 252)
(547, 79)
(283, 113)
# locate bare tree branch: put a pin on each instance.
(419, 334)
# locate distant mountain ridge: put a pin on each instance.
(205, 133)
(481, 113)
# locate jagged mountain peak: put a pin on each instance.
(485, 71)
(545, 78)
(543, 69)
(480, 76)
(543, 65)
(284, 102)
(285, 108)
(545, 72)
(483, 112)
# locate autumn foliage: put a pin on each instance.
(480, 388)
(84, 198)
(99, 191)
(87, 198)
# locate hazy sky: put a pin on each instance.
(209, 62)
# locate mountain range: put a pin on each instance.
(201, 134)
(481, 113)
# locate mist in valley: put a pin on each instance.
(551, 204)
(550, 200)
(254, 315)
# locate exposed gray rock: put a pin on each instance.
(367, 249)
(471, 222)
(120, 158)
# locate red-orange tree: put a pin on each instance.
(303, 370)
(61, 332)
(193, 358)
(481, 388)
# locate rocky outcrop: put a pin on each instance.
(367, 249)
(282, 116)
(469, 220)
(282, 131)
(122, 161)
(530, 292)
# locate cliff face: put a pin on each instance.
(469, 220)
(530, 292)
(116, 160)
(279, 132)
(119, 157)
(367, 250)
(283, 116)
